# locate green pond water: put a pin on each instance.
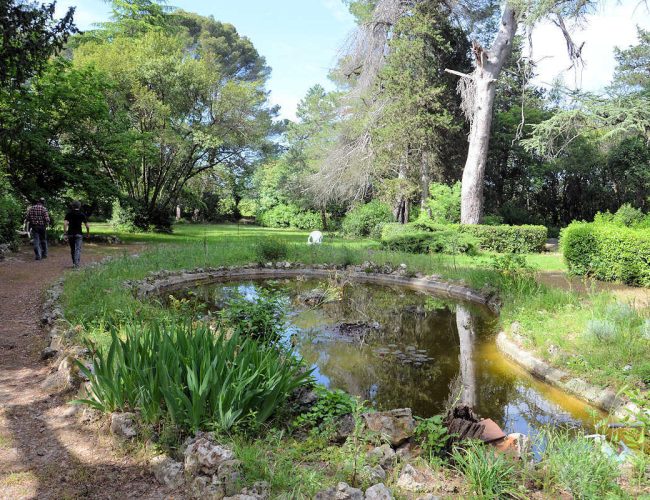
(397, 347)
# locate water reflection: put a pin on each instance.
(423, 352)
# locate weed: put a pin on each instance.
(434, 436)
(489, 474)
(261, 319)
(331, 405)
(601, 330)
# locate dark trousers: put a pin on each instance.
(39, 233)
(74, 240)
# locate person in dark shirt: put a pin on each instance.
(37, 219)
(73, 233)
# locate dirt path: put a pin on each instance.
(44, 451)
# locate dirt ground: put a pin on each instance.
(44, 451)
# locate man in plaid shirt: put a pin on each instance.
(38, 219)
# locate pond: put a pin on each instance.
(398, 347)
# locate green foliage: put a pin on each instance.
(433, 435)
(574, 464)
(626, 215)
(290, 216)
(11, 215)
(449, 242)
(502, 239)
(489, 474)
(122, 218)
(367, 219)
(30, 36)
(607, 252)
(261, 319)
(329, 407)
(270, 250)
(195, 378)
(444, 203)
(601, 330)
(248, 207)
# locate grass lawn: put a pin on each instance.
(589, 334)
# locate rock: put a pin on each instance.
(373, 474)
(383, 455)
(48, 353)
(396, 425)
(415, 480)
(491, 431)
(428, 496)
(201, 487)
(378, 492)
(65, 378)
(123, 425)
(259, 491)
(228, 475)
(408, 451)
(344, 428)
(167, 471)
(203, 455)
(314, 297)
(341, 491)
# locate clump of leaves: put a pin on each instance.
(330, 406)
(270, 250)
(191, 377)
(262, 319)
(433, 435)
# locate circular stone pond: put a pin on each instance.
(398, 347)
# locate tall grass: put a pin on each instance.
(489, 474)
(573, 464)
(192, 376)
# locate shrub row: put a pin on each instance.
(413, 241)
(607, 252)
(290, 216)
(502, 238)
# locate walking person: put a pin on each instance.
(37, 219)
(73, 232)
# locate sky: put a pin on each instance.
(301, 39)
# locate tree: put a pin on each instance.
(193, 98)
(30, 35)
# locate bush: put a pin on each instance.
(270, 250)
(247, 207)
(290, 216)
(502, 239)
(11, 218)
(444, 202)
(607, 252)
(191, 376)
(430, 242)
(367, 220)
(390, 229)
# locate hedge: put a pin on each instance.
(408, 240)
(367, 219)
(607, 252)
(502, 238)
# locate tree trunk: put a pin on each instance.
(323, 217)
(425, 179)
(488, 68)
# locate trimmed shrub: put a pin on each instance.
(431, 242)
(503, 238)
(367, 220)
(607, 252)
